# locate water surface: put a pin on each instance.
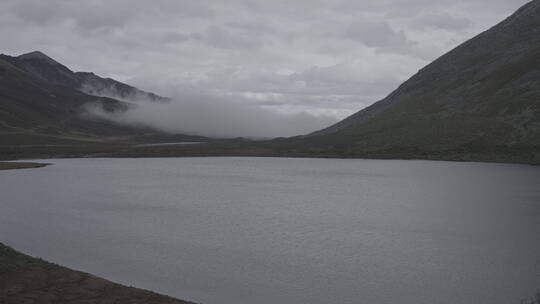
(268, 230)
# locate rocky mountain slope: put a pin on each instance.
(480, 101)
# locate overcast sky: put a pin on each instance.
(320, 59)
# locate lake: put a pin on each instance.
(277, 230)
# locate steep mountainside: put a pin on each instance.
(480, 101)
(48, 70)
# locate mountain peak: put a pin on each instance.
(531, 8)
(529, 11)
(36, 55)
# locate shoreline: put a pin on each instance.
(21, 165)
(240, 148)
(25, 279)
(293, 156)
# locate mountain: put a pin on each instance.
(44, 68)
(31, 108)
(42, 103)
(480, 101)
(48, 70)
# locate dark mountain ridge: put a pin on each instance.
(43, 67)
(49, 70)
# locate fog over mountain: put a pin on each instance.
(197, 113)
(315, 61)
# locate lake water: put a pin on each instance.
(269, 230)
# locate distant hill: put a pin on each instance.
(480, 101)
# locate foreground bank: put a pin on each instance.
(20, 165)
(24, 279)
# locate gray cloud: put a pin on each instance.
(220, 37)
(441, 21)
(379, 35)
(304, 57)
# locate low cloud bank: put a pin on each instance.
(196, 113)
